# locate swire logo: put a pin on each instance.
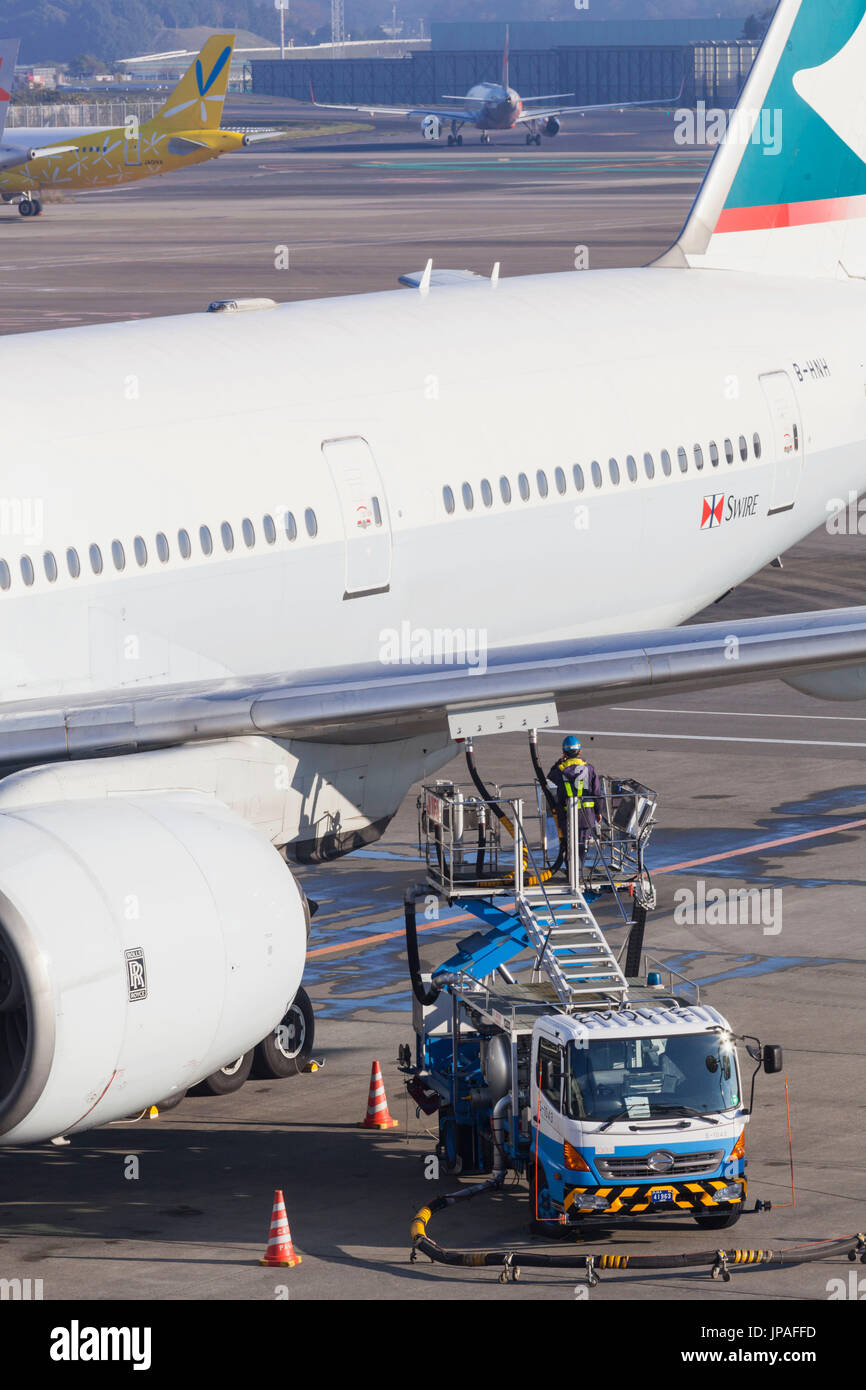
(711, 514)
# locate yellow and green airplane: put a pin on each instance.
(185, 131)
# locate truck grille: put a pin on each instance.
(637, 1166)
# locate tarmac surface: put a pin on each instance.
(759, 788)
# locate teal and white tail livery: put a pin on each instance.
(794, 204)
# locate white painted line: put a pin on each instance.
(716, 738)
(738, 714)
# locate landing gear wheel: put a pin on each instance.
(286, 1051)
(228, 1079)
(452, 140)
(719, 1221)
(459, 139)
(538, 140)
(170, 1103)
(35, 208)
(529, 139)
(25, 207)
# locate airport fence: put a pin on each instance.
(103, 114)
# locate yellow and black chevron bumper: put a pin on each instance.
(633, 1199)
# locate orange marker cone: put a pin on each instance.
(377, 1116)
(280, 1250)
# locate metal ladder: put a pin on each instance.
(576, 955)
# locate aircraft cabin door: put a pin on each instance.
(366, 523)
(787, 441)
(132, 141)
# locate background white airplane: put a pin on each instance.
(223, 584)
(494, 106)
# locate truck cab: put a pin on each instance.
(637, 1111)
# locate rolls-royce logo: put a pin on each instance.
(136, 975)
(660, 1162)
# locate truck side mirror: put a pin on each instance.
(772, 1059)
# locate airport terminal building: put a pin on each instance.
(597, 60)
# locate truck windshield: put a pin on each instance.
(644, 1078)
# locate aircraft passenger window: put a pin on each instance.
(248, 531)
(228, 536)
(714, 453)
(541, 483)
(27, 569)
(561, 484)
(523, 486)
(486, 493)
(269, 529)
(596, 473)
(184, 544)
(73, 564)
(699, 457)
(744, 448)
(50, 564)
(5, 576)
(505, 490)
(631, 467)
(291, 526)
(613, 470)
(683, 460)
(118, 555)
(206, 540)
(448, 499)
(666, 463)
(96, 559)
(162, 549)
(649, 466)
(140, 550)
(756, 441)
(468, 498)
(577, 472)
(310, 522)
(729, 451)
(377, 510)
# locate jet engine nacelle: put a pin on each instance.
(431, 127)
(551, 127)
(145, 941)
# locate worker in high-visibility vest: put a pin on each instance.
(574, 778)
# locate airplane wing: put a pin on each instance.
(376, 704)
(536, 115)
(450, 113)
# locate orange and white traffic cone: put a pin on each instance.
(280, 1250)
(377, 1116)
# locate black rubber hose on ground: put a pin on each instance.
(535, 1259)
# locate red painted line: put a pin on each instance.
(667, 869)
(95, 1103)
(762, 219)
(766, 844)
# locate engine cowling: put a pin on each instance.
(431, 127)
(145, 941)
(551, 127)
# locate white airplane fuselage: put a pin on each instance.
(169, 424)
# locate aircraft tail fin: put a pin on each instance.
(8, 59)
(505, 59)
(197, 101)
(786, 191)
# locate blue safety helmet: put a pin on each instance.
(571, 744)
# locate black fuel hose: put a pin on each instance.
(718, 1259)
(425, 994)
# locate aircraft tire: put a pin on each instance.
(227, 1079)
(273, 1059)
